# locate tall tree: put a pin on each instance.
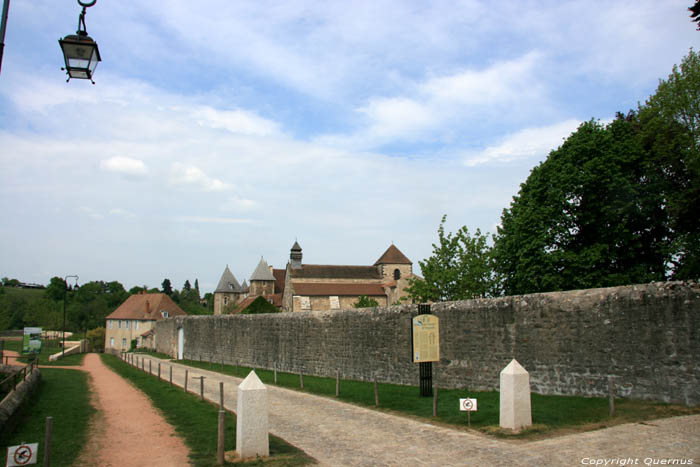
(167, 287)
(461, 267)
(187, 285)
(615, 204)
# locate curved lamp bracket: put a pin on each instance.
(87, 4)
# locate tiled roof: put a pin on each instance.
(330, 288)
(146, 307)
(280, 275)
(228, 282)
(262, 272)
(393, 256)
(321, 271)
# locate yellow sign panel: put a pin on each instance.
(426, 339)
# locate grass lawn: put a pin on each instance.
(63, 395)
(551, 415)
(49, 347)
(196, 421)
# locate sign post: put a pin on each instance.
(425, 331)
(469, 406)
(32, 340)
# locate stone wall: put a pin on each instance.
(645, 336)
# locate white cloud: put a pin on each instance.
(236, 121)
(181, 174)
(212, 220)
(438, 107)
(91, 213)
(524, 144)
(124, 165)
(122, 213)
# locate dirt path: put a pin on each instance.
(127, 431)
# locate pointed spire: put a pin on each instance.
(393, 255)
(262, 272)
(228, 282)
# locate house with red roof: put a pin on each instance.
(134, 319)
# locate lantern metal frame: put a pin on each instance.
(80, 52)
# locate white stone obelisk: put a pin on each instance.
(516, 412)
(251, 428)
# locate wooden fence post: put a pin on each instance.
(171, 375)
(611, 395)
(186, 375)
(301, 380)
(47, 442)
(376, 392)
(337, 383)
(221, 438)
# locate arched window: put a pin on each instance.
(397, 274)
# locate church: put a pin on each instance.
(316, 287)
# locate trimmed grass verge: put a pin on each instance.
(196, 421)
(551, 415)
(63, 395)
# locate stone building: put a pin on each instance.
(312, 287)
(134, 319)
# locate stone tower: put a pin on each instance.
(295, 256)
(262, 282)
(395, 269)
(228, 291)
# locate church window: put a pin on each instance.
(397, 274)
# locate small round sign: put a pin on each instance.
(23, 455)
(467, 404)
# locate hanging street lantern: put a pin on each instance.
(80, 51)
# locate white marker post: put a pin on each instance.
(469, 406)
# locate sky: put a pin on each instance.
(220, 132)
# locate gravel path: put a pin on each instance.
(340, 434)
(128, 430)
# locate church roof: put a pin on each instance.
(393, 256)
(296, 246)
(262, 272)
(323, 271)
(332, 288)
(228, 282)
(245, 287)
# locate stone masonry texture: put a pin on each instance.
(644, 336)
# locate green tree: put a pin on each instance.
(187, 286)
(196, 286)
(56, 288)
(96, 338)
(260, 305)
(167, 287)
(461, 267)
(363, 301)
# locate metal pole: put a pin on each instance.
(47, 442)
(186, 374)
(201, 388)
(3, 27)
(171, 375)
(337, 383)
(301, 380)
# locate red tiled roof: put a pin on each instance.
(279, 280)
(393, 255)
(146, 307)
(322, 271)
(338, 289)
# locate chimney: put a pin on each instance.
(271, 271)
(148, 307)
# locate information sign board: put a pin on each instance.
(32, 340)
(426, 339)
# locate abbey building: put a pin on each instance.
(315, 287)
